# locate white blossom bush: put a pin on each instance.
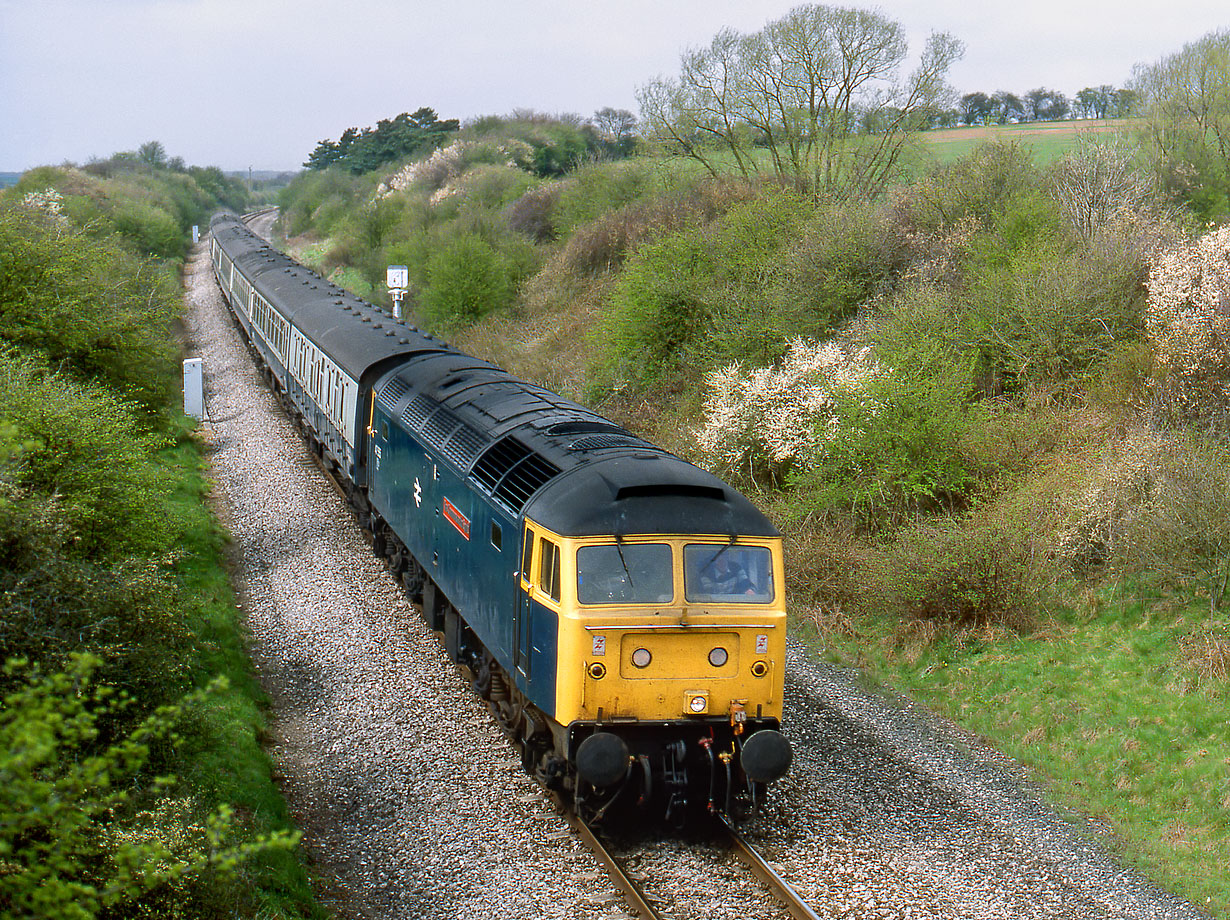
(1187, 319)
(444, 164)
(440, 171)
(47, 200)
(761, 422)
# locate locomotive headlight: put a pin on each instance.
(641, 658)
(718, 657)
(698, 704)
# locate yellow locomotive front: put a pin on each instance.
(671, 656)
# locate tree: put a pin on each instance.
(1184, 101)
(616, 130)
(976, 108)
(1008, 107)
(1095, 101)
(152, 153)
(407, 135)
(1044, 104)
(800, 88)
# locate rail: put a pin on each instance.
(777, 885)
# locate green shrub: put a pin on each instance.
(494, 186)
(895, 448)
(697, 295)
(91, 455)
(84, 832)
(981, 573)
(660, 306)
(466, 279)
(87, 305)
(153, 230)
(592, 191)
(844, 258)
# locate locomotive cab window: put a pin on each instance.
(627, 573)
(727, 573)
(527, 559)
(548, 568)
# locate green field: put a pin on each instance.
(1049, 139)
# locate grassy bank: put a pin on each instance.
(132, 781)
(1117, 705)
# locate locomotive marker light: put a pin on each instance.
(397, 278)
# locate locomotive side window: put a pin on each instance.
(727, 573)
(497, 536)
(527, 559)
(548, 562)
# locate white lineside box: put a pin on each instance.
(194, 388)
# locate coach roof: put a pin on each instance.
(352, 332)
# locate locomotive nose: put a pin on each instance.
(766, 756)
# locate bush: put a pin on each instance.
(894, 450)
(467, 279)
(91, 455)
(154, 231)
(593, 191)
(83, 833)
(1189, 327)
(87, 305)
(534, 214)
(1158, 505)
(760, 425)
(982, 573)
(696, 296)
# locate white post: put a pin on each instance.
(397, 280)
(194, 388)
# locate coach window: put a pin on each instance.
(548, 564)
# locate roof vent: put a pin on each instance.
(512, 472)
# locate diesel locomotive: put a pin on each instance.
(620, 610)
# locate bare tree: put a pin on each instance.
(800, 88)
(1184, 101)
(1097, 181)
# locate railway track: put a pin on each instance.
(645, 906)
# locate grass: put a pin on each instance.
(222, 758)
(1106, 706)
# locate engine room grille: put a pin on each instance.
(394, 390)
(418, 411)
(512, 472)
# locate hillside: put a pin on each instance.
(995, 454)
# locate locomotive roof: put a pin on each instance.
(533, 451)
(564, 465)
(354, 333)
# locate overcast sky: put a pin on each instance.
(256, 83)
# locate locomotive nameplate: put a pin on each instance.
(457, 519)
